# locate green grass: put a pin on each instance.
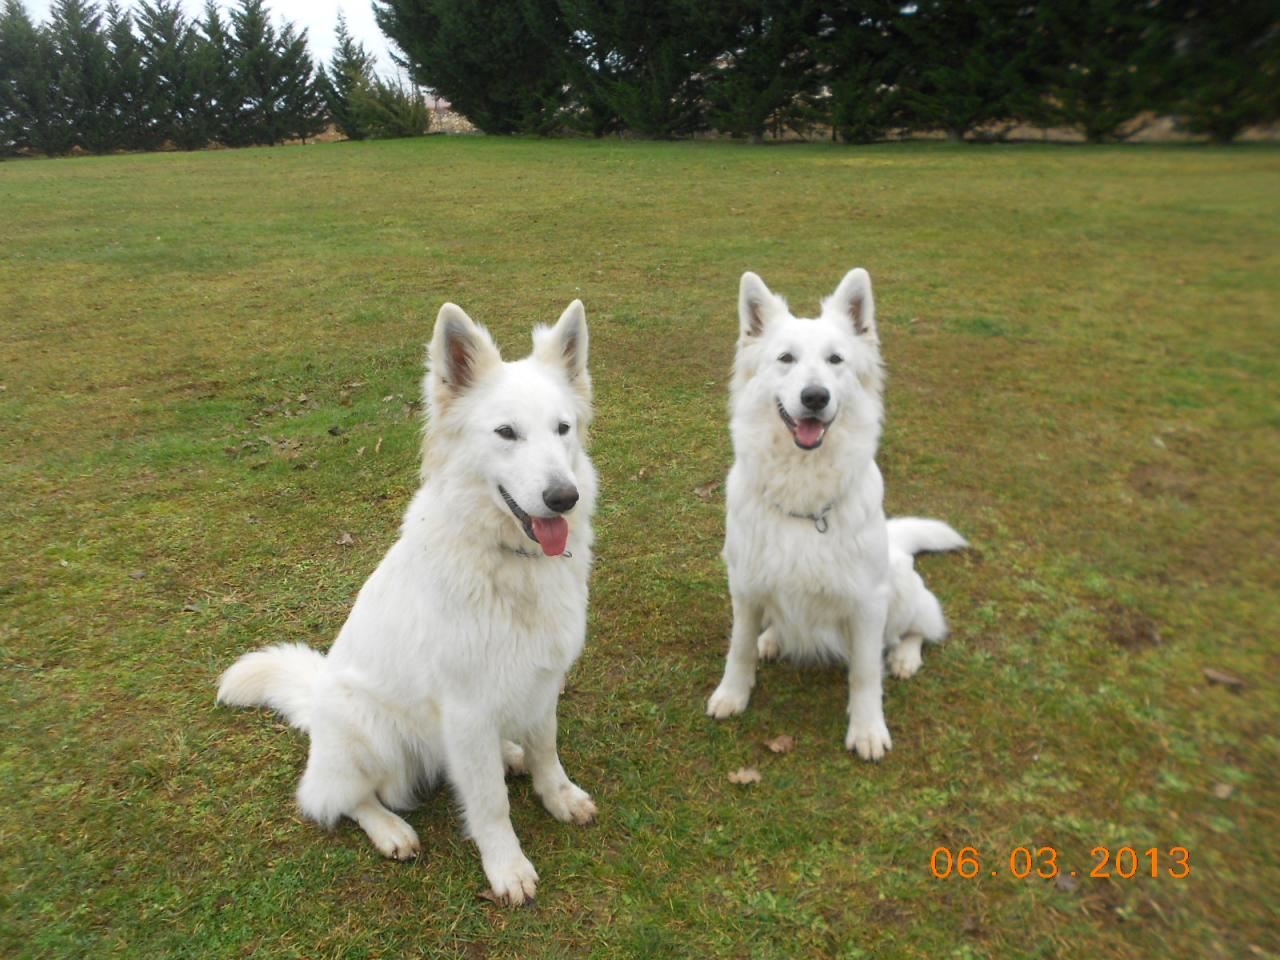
(1083, 353)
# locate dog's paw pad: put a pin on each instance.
(727, 703)
(514, 883)
(869, 741)
(904, 661)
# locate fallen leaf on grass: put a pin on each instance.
(1223, 790)
(705, 491)
(1223, 679)
(783, 743)
(377, 446)
(745, 775)
(137, 574)
(346, 540)
(1066, 883)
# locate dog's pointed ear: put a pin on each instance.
(853, 300)
(756, 304)
(461, 350)
(565, 344)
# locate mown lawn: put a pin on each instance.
(1084, 352)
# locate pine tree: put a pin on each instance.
(1099, 64)
(26, 85)
(648, 62)
(300, 96)
(351, 68)
(1226, 64)
(964, 64)
(83, 103)
(169, 49)
(220, 95)
(127, 90)
(768, 69)
(860, 53)
(386, 110)
(499, 64)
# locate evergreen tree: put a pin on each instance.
(768, 69)
(1226, 63)
(216, 79)
(127, 89)
(83, 114)
(350, 69)
(501, 65)
(169, 50)
(1099, 63)
(385, 110)
(860, 53)
(964, 64)
(648, 62)
(26, 85)
(300, 104)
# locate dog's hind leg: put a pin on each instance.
(513, 758)
(767, 646)
(343, 777)
(904, 656)
(734, 692)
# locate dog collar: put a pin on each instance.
(820, 522)
(531, 554)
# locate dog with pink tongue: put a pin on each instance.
(451, 662)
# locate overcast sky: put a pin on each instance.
(318, 17)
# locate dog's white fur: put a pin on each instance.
(849, 591)
(453, 657)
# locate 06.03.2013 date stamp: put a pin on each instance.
(1023, 862)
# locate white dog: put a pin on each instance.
(453, 657)
(808, 549)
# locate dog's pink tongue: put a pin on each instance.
(552, 534)
(809, 431)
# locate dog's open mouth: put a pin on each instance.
(550, 533)
(807, 431)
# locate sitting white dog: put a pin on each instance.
(809, 552)
(453, 657)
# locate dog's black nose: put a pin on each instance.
(560, 497)
(815, 398)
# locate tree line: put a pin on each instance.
(107, 79)
(865, 69)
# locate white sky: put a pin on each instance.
(318, 17)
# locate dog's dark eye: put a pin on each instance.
(786, 358)
(506, 433)
(563, 428)
(835, 358)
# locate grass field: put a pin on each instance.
(1084, 352)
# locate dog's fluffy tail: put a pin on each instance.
(915, 534)
(280, 677)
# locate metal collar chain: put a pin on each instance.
(820, 521)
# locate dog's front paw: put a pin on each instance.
(569, 803)
(727, 702)
(514, 882)
(767, 645)
(904, 660)
(869, 740)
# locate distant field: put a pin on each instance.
(1084, 352)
